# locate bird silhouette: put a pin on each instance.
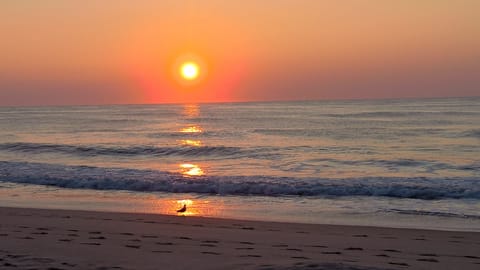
(183, 209)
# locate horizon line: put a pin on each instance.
(243, 101)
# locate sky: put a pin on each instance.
(127, 52)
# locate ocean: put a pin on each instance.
(401, 163)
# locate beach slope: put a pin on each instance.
(65, 239)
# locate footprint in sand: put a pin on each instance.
(332, 252)
(399, 263)
(39, 233)
(149, 236)
(354, 248)
(250, 256)
(183, 238)
(211, 253)
(428, 254)
(471, 257)
(428, 260)
(383, 255)
(300, 257)
(162, 251)
(392, 250)
(97, 238)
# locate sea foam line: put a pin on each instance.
(86, 177)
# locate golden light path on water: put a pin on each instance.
(188, 169)
(192, 129)
(194, 207)
(191, 142)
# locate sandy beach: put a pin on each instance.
(66, 239)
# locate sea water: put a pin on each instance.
(401, 163)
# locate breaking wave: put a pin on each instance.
(86, 177)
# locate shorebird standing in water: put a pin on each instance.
(183, 209)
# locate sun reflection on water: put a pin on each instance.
(192, 129)
(188, 169)
(191, 142)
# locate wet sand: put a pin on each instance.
(67, 239)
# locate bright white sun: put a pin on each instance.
(189, 70)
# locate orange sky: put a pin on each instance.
(103, 52)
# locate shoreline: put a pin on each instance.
(231, 219)
(79, 239)
(354, 211)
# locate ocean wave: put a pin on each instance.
(301, 132)
(86, 177)
(397, 164)
(398, 114)
(431, 213)
(190, 151)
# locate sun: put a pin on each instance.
(189, 71)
